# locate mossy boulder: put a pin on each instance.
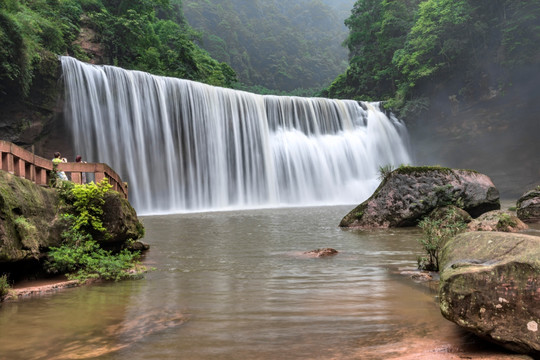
(497, 220)
(490, 286)
(30, 221)
(409, 193)
(120, 219)
(528, 206)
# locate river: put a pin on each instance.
(236, 285)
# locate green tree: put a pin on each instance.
(377, 29)
(435, 43)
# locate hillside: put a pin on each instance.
(146, 35)
(275, 44)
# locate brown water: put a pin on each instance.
(235, 285)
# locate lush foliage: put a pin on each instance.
(274, 45)
(436, 231)
(401, 51)
(147, 35)
(80, 256)
(29, 32)
(88, 206)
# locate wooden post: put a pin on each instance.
(41, 176)
(29, 171)
(7, 163)
(19, 167)
(76, 177)
(99, 176)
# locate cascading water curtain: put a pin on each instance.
(185, 146)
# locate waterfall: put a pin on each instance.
(185, 146)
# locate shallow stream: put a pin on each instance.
(236, 285)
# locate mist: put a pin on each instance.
(275, 44)
(497, 134)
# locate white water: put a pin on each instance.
(185, 146)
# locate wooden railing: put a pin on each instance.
(26, 164)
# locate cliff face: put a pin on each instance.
(30, 221)
(33, 120)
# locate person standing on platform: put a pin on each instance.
(57, 160)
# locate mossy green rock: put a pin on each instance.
(490, 285)
(29, 220)
(410, 193)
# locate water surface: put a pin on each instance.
(236, 285)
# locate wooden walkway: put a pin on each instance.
(27, 165)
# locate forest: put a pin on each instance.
(401, 52)
(146, 35)
(405, 51)
(275, 45)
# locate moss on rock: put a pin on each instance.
(409, 193)
(489, 285)
(30, 220)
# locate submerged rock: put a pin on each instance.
(409, 193)
(490, 285)
(528, 206)
(321, 252)
(497, 220)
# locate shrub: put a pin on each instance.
(435, 234)
(80, 256)
(385, 170)
(88, 206)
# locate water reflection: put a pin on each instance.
(234, 285)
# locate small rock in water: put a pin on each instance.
(322, 252)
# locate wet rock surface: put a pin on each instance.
(490, 286)
(528, 206)
(321, 252)
(409, 193)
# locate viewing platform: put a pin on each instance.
(27, 165)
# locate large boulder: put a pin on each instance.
(28, 219)
(30, 222)
(120, 219)
(490, 286)
(409, 193)
(528, 206)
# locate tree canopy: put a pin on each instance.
(274, 44)
(147, 35)
(400, 51)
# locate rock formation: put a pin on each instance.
(497, 220)
(409, 193)
(30, 222)
(528, 206)
(490, 285)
